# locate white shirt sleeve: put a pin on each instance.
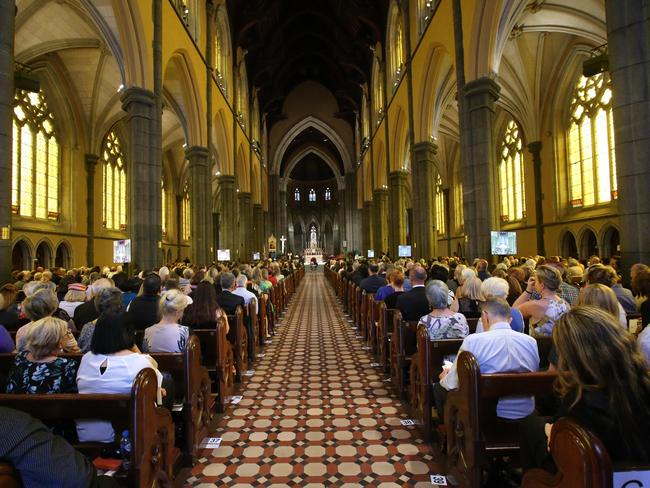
(450, 382)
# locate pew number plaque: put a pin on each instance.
(631, 479)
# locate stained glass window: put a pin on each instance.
(328, 194)
(458, 206)
(296, 195)
(36, 158)
(511, 175)
(187, 216)
(592, 163)
(114, 183)
(440, 207)
(312, 195)
(163, 207)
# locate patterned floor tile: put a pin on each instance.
(315, 413)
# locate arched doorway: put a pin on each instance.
(568, 246)
(20, 256)
(588, 244)
(611, 242)
(43, 256)
(63, 258)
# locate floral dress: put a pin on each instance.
(446, 327)
(58, 376)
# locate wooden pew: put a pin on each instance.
(150, 427)
(194, 380)
(384, 332)
(366, 313)
(253, 339)
(238, 337)
(402, 347)
(9, 477)
(263, 321)
(218, 356)
(358, 303)
(581, 459)
(474, 433)
(372, 325)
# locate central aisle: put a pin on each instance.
(316, 413)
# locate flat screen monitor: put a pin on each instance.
(503, 243)
(256, 256)
(371, 253)
(404, 251)
(122, 251)
(223, 254)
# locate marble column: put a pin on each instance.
(396, 211)
(91, 161)
(477, 164)
(228, 215)
(628, 35)
(423, 200)
(144, 173)
(258, 227)
(201, 222)
(380, 220)
(535, 149)
(245, 225)
(7, 25)
(366, 228)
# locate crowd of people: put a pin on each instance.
(603, 369)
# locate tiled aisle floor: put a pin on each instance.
(316, 413)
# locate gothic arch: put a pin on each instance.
(222, 141)
(587, 241)
(44, 253)
(324, 128)
(296, 158)
(568, 244)
(609, 239)
(438, 83)
(63, 255)
(22, 254)
(399, 140)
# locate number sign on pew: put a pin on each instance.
(210, 443)
(631, 479)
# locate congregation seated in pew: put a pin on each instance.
(107, 301)
(494, 287)
(414, 304)
(168, 335)
(441, 322)
(204, 311)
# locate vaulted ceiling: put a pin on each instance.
(290, 41)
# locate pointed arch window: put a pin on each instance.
(459, 216)
(591, 158)
(186, 218)
(328, 194)
(296, 195)
(113, 183)
(312, 195)
(36, 158)
(396, 46)
(440, 207)
(188, 13)
(426, 9)
(222, 50)
(511, 175)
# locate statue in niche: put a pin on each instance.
(313, 242)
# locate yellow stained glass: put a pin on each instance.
(186, 223)
(26, 172)
(511, 175)
(591, 158)
(163, 207)
(35, 164)
(114, 184)
(440, 207)
(458, 206)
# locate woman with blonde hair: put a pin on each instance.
(469, 297)
(604, 385)
(75, 296)
(602, 297)
(542, 313)
(168, 335)
(39, 369)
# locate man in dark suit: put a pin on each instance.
(373, 282)
(226, 299)
(144, 310)
(414, 304)
(359, 274)
(86, 312)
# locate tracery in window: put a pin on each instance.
(163, 207)
(396, 46)
(296, 195)
(511, 175)
(440, 207)
(328, 194)
(591, 158)
(187, 11)
(312, 195)
(426, 8)
(114, 183)
(222, 50)
(186, 218)
(36, 158)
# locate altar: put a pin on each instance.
(313, 253)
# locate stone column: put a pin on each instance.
(397, 211)
(352, 219)
(447, 198)
(535, 149)
(380, 220)
(366, 228)
(179, 227)
(7, 25)
(274, 204)
(201, 223)
(283, 227)
(477, 163)
(423, 200)
(628, 33)
(258, 227)
(144, 173)
(91, 161)
(245, 225)
(228, 214)
(342, 234)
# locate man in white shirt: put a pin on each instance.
(498, 350)
(241, 291)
